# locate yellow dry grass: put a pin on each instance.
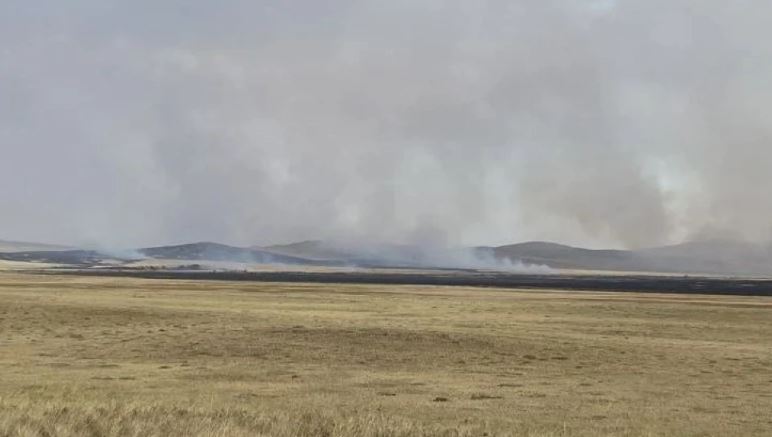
(118, 356)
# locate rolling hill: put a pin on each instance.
(708, 257)
(711, 256)
(561, 256)
(698, 257)
(220, 252)
(310, 249)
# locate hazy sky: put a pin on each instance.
(605, 123)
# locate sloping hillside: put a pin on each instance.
(220, 252)
(311, 249)
(562, 256)
(718, 257)
(370, 254)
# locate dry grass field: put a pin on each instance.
(130, 357)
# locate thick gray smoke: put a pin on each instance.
(597, 122)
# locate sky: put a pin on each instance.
(599, 123)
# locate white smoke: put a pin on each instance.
(621, 123)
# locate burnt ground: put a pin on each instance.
(467, 278)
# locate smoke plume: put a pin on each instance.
(598, 122)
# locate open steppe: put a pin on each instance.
(136, 357)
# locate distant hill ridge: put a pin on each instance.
(314, 249)
(707, 257)
(562, 256)
(220, 252)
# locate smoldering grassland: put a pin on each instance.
(131, 357)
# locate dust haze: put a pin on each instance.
(600, 123)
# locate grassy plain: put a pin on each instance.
(130, 357)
